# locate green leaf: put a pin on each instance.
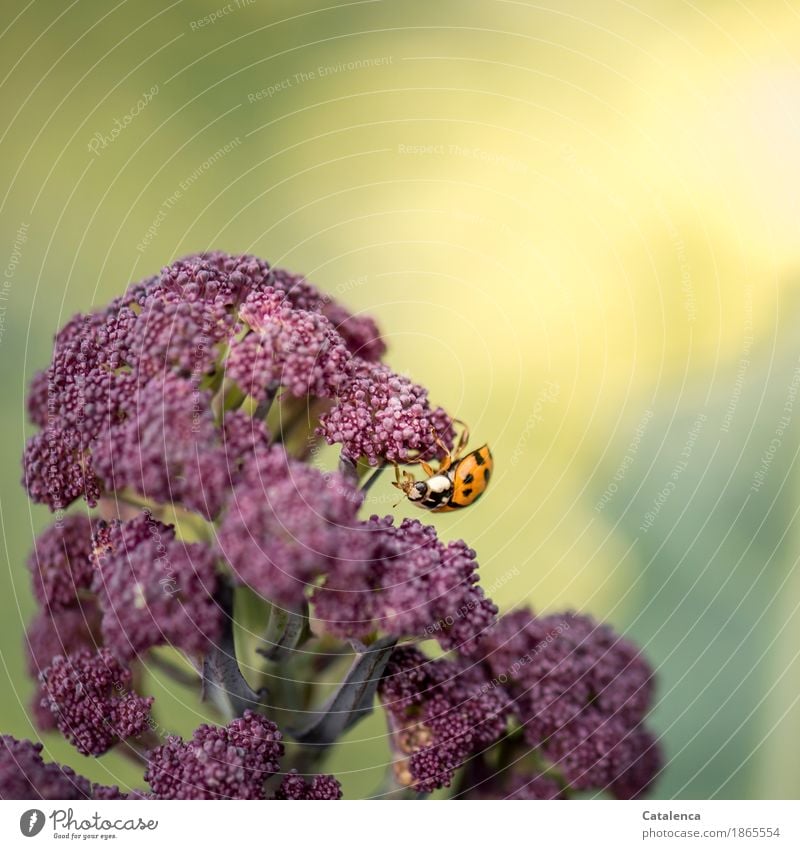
(354, 698)
(223, 682)
(287, 630)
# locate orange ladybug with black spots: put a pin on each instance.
(460, 480)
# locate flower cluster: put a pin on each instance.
(297, 787)
(401, 580)
(172, 452)
(125, 401)
(69, 617)
(231, 762)
(287, 524)
(290, 347)
(217, 763)
(440, 712)
(52, 635)
(154, 589)
(566, 699)
(185, 413)
(60, 564)
(381, 415)
(89, 695)
(25, 775)
(580, 694)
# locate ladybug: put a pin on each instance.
(459, 481)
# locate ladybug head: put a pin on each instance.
(418, 491)
(413, 490)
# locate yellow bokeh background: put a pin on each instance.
(577, 226)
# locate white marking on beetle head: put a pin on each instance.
(438, 483)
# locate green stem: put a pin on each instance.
(371, 480)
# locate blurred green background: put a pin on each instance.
(578, 226)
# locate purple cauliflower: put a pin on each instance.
(125, 401)
(205, 394)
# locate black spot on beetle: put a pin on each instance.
(466, 492)
(469, 478)
(486, 475)
(478, 457)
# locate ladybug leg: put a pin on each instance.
(463, 439)
(448, 457)
(427, 468)
(402, 480)
(397, 482)
(403, 483)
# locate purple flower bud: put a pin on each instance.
(252, 274)
(55, 472)
(639, 762)
(360, 333)
(215, 279)
(111, 404)
(381, 415)
(90, 697)
(580, 692)
(286, 524)
(171, 451)
(441, 712)
(25, 775)
(232, 277)
(230, 762)
(288, 347)
(172, 335)
(154, 589)
(296, 786)
(81, 393)
(37, 398)
(86, 383)
(403, 581)
(60, 563)
(565, 666)
(52, 635)
(84, 391)
(112, 793)
(605, 753)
